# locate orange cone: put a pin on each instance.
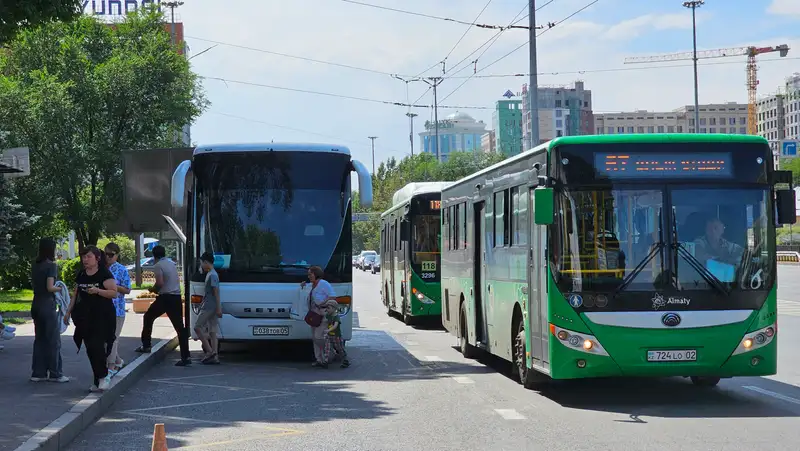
(159, 438)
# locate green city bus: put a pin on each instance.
(619, 255)
(410, 255)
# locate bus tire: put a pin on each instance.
(467, 350)
(530, 379)
(705, 381)
(407, 319)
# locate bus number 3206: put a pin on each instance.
(428, 275)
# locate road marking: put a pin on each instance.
(509, 414)
(383, 324)
(433, 358)
(185, 377)
(791, 308)
(205, 403)
(224, 387)
(412, 343)
(773, 394)
(463, 380)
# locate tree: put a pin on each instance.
(12, 219)
(77, 94)
(16, 14)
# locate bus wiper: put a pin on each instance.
(285, 265)
(659, 246)
(707, 275)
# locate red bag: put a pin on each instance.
(312, 318)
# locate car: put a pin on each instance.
(376, 265)
(367, 261)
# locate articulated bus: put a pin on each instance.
(619, 255)
(267, 212)
(410, 255)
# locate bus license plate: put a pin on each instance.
(687, 355)
(270, 330)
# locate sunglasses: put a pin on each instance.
(111, 254)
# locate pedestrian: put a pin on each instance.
(92, 312)
(123, 279)
(333, 340)
(207, 325)
(321, 292)
(168, 301)
(47, 364)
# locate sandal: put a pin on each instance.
(210, 358)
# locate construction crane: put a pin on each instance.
(752, 70)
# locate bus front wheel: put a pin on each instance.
(705, 381)
(529, 378)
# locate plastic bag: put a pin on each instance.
(300, 304)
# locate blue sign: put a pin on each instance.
(116, 7)
(508, 94)
(789, 148)
(575, 300)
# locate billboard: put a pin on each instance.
(146, 195)
(116, 7)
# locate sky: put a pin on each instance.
(387, 42)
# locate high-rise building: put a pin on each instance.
(459, 132)
(507, 124)
(563, 111)
(728, 117)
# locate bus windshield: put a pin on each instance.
(270, 215)
(425, 235)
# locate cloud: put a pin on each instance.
(635, 27)
(784, 7)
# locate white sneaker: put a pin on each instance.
(104, 383)
(60, 380)
(94, 389)
(38, 379)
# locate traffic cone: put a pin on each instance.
(159, 438)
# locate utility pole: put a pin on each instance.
(411, 117)
(434, 82)
(373, 138)
(172, 5)
(693, 5)
(533, 89)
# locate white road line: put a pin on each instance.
(509, 414)
(204, 403)
(224, 387)
(463, 380)
(164, 379)
(773, 394)
(433, 358)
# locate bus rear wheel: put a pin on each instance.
(705, 381)
(467, 350)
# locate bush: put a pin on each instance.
(15, 276)
(68, 271)
(127, 247)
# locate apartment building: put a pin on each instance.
(563, 110)
(728, 117)
(488, 142)
(779, 115)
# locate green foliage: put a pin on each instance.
(393, 175)
(77, 94)
(127, 247)
(15, 14)
(68, 271)
(12, 220)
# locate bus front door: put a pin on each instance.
(537, 297)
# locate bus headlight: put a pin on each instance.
(421, 297)
(345, 305)
(577, 341)
(757, 339)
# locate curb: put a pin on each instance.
(61, 432)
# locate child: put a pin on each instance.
(334, 337)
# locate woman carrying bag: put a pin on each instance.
(321, 293)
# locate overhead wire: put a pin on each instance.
(519, 47)
(430, 16)
(465, 32)
(300, 130)
(340, 96)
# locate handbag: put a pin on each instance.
(312, 318)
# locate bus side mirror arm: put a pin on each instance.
(364, 184)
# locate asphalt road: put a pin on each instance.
(409, 389)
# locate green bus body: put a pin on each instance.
(410, 254)
(511, 294)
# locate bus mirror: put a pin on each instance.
(178, 188)
(783, 177)
(543, 200)
(785, 202)
(364, 184)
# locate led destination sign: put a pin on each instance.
(676, 165)
(436, 205)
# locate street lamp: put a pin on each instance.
(693, 5)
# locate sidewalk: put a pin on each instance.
(30, 407)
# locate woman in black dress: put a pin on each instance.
(92, 311)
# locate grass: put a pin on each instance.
(16, 295)
(16, 306)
